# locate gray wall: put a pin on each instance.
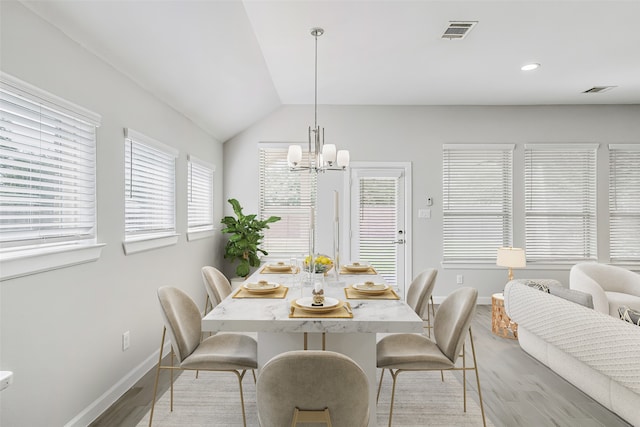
(416, 134)
(61, 331)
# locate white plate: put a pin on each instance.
(280, 267)
(356, 268)
(329, 304)
(261, 288)
(376, 288)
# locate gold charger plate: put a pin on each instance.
(280, 267)
(259, 288)
(357, 268)
(374, 289)
(305, 304)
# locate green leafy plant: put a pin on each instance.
(246, 235)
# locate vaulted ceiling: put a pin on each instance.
(226, 64)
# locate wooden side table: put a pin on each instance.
(501, 325)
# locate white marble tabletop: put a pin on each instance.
(272, 315)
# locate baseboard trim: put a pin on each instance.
(101, 404)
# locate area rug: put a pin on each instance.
(422, 399)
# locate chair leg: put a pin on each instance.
(464, 377)
(171, 406)
(380, 385)
(255, 381)
(155, 386)
(393, 392)
(240, 376)
(475, 364)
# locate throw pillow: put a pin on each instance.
(537, 285)
(629, 315)
(573, 295)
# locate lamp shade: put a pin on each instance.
(511, 257)
(329, 153)
(343, 158)
(294, 156)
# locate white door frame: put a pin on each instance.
(408, 196)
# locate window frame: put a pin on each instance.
(195, 232)
(284, 211)
(34, 254)
(141, 240)
(483, 255)
(622, 205)
(558, 152)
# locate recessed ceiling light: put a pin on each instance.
(530, 67)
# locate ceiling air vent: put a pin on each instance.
(457, 30)
(599, 89)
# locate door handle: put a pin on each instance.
(399, 241)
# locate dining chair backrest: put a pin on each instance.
(453, 319)
(312, 380)
(216, 284)
(181, 319)
(420, 290)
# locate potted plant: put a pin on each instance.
(246, 235)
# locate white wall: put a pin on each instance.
(416, 134)
(61, 330)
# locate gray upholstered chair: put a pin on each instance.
(415, 352)
(420, 293)
(223, 352)
(216, 284)
(306, 382)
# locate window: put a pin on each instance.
(477, 201)
(378, 223)
(150, 201)
(200, 196)
(624, 203)
(560, 202)
(47, 177)
(289, 195)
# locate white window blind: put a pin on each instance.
(378, 224)
(149, 187)
(200, 195)
(47, 167)
(477, 201)
(289, 195)
(560, 202)
(624, 203)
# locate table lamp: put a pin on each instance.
(511, 258)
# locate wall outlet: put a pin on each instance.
(125, 340)
(459, 279)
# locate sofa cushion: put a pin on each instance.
(573, 295)
(629, 315)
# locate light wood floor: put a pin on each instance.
(517, 389)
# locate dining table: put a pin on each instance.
(281, 328)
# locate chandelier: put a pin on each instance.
(326, 157)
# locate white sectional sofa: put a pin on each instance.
(596, 352)
(611, 286)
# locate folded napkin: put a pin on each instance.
(341, 312)
(351, 293)
(267, 270)
(281, 292)
(371, 270)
